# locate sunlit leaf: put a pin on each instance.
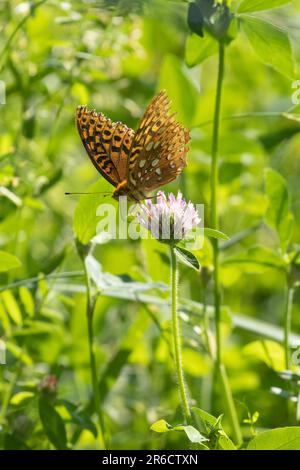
(161, 426)
(85, 216)
(277, 439)
(212, 233)
(256, 258)
(247, 6)
(27, 300)
(20, 397)
(8, 261)
(278, 214)
(271, 44)
(198, 49)
(267, 351)
(11, 306)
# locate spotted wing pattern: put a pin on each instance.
(107, 143)
(159, 150)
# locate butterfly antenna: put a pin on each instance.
(78, 193)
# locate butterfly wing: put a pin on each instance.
(107, 143)
(159, 151)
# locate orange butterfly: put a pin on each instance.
(136, 163)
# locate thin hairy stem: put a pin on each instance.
(177, 338)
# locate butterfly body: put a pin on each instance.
(135, 163)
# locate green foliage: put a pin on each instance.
(271, 44)
(53, 425)
(8, 261)
(214, 17)
(198, 49)
(193, 435)
(114, 56)
(258, 258)
(277, 439)
(247, 6)
(187, 258)
(212, 428)
(85, 220)
(278, 214)
(210, 232)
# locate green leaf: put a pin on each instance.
(79, 417)
(11, 307)
(8, 261)
(198, 49)
(188, 258)
(205, 421)
(193, 434)
(85, 216)
(195, 18)
(212, 427)
(181, 90)
(270, 352)
(27, 300)
(212, 233)
(161, 426)
(271, 44)
(247, 6)
(20, 397)
(277, 439)
(18, 353)
(257, 258)
(53, 425)
(278, 215)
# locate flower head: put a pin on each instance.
(49, 384)
(169, 219)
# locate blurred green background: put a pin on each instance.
(114, 56)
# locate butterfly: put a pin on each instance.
(136, 163)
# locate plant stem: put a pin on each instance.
(177, 337)
(96, 395)
(226, 392)
(220, 369)
(214, 198)
(287, 323)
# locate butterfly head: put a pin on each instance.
(121, 190)
(124, 189)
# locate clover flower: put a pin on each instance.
(169, 219)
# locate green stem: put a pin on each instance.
(214, 198)
(220, 369)
(230, 406)
(96, 395)
(287, 323)
(177, 337)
